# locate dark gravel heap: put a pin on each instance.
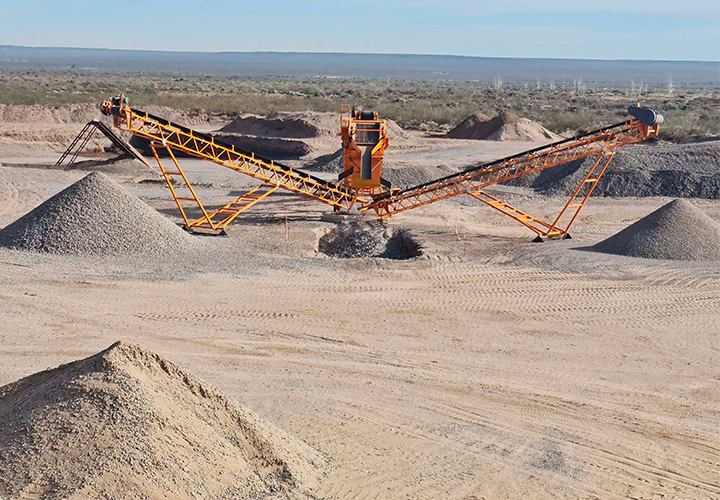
(676, 231)
(677, 170)
(332, 163)
(365, 240)
(95, 216)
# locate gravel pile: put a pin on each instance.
(95, 216)
(127, 423)
(676, 231)
(366, 240)
(331, 163)
(675, 170)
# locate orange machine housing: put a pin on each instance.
(364, 140)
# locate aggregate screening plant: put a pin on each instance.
(361, 185)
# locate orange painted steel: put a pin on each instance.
(472, 181)
(364, 141)
(173, 137)
(360, 128)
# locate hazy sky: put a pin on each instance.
(611, 29)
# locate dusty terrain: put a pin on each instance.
(489, 367)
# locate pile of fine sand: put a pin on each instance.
(45, 115)
(294, 134)
(297, 125)
(468, 127)
(676, 231)
(129, 424)
(291, 125)
(504, 127)
(95, 216)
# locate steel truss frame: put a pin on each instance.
(473, 181)
(273, 176)
(84, 137)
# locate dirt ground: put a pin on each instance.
(491, 367)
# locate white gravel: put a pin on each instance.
(96, 216)
(676, 231)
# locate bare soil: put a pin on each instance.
(488, 367)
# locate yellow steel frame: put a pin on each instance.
(175, 138)
(602, 143)
(545, 229)
(342, 197)
(349, 130)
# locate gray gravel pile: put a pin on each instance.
(676, 170)
(676, 231)
(96, 216)
(367, 240)
(127, 424)
(332, 163)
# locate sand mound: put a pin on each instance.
(95, 216)
(504, 127)
(127, 423)
(293, 134)
(676, 231)
(367, 240)
(468, 126)
(65, 113)
(292, 125)
(297, 125)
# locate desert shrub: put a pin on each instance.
(562, 107)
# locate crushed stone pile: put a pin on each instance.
(95, 216)
(332, 163)
(369, 240)
(129, 424)
(504, 127)
(650, 169)
(676, 231)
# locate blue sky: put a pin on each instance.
(612, 29)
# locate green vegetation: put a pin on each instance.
(562, 107)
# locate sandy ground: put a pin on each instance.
(491, 367)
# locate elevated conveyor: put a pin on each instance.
(367, 194)
(171, 137)
(602, 143)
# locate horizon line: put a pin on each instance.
(358, 54)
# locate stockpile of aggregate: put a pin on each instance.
(129, 424)
(468, 127)
(676, 231)
(95, 216)
(292, 134)
(368, 240)
(332, 163)
(504, 127)
(676, 170)
(64, 113)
